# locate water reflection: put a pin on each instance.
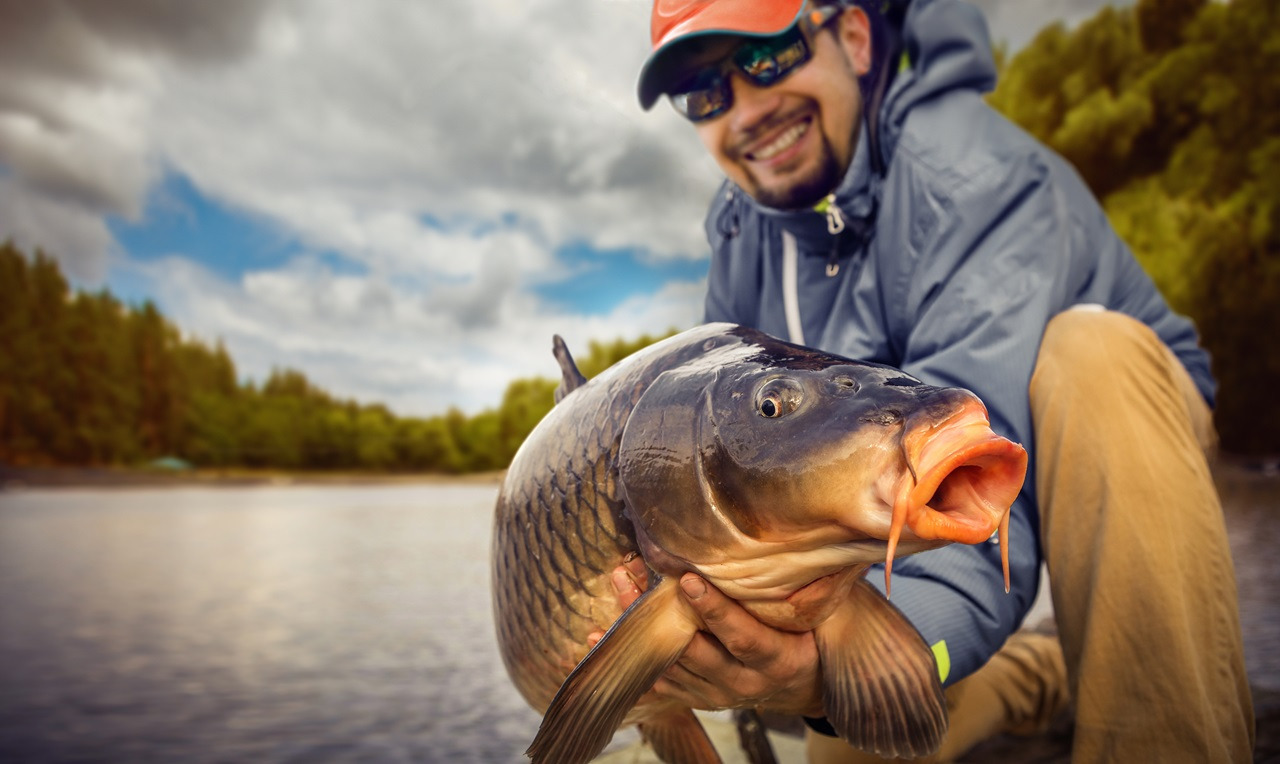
(316, 624)
(313, 624)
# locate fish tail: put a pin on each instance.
(753, 737)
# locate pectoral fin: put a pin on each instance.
(882, 692)
(678, 737)
(623, 665)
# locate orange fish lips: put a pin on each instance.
(963, 479)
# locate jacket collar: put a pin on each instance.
(857, 198)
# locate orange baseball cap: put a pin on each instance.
(679, 20)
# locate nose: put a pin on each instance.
(752, 105)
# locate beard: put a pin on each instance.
(808, 187)
(802, 192)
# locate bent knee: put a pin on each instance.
(1098, 363)
(1090, 342)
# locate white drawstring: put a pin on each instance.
(790, 294)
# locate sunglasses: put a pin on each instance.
(763, 62)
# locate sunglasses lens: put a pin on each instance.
(770, 60)
(704, 97)
(764, 62)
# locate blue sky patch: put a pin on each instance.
(600, 280)
(181, 221)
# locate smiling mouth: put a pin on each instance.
(781, 142)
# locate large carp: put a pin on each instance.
(777, 473)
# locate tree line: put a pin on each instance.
(88, 380)
(1170, 110)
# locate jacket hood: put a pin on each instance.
(946, 47)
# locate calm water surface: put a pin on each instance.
(310, 624)
(300, 624)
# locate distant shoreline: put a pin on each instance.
(17, 478)
(1230, 472)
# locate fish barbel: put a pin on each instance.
(777, 473)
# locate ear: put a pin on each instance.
(854, 34)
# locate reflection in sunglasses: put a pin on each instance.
(764, 62)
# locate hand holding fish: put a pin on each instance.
(738, 662)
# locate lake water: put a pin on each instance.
(304, 623)
(280, 624)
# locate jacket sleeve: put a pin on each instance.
(997, 251)
(974, 299)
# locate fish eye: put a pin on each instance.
(778, 397)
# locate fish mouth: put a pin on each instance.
(963, 480)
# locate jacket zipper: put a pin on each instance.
(835, 224)
(835, 218)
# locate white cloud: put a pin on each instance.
(464, 112)
(375, 340)
(445, 151)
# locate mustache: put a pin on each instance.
(753, 134)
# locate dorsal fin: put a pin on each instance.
(571, 379)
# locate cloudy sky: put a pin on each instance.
(404, 200)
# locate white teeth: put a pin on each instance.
(782, 142)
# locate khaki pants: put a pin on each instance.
(1139, 568)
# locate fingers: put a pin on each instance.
(746, 639)
(707, 677)
(637, 570)
(630, 579)
(737, 661)
(626, 588)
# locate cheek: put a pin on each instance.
(840, 122)
(714, 136)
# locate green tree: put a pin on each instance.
(375, 438)
(39, 381)
(524, 404)
(427, 446)
(1161, 22)
(104, 416)
(1171, 112)
(85, 379)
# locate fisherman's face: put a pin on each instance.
(788, 145)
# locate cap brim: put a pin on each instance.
(738, 19)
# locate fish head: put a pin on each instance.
(770, 471)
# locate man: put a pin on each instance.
(876, 207)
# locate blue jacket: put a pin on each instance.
(949, 266)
